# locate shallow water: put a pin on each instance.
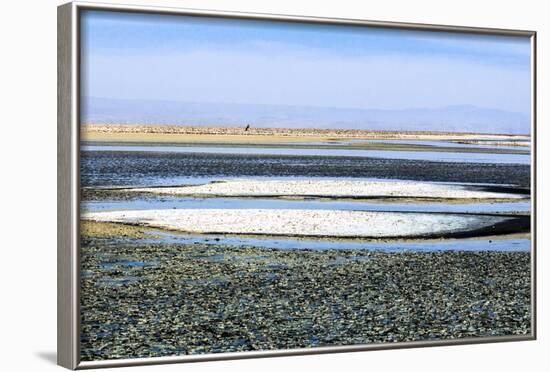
(187, 165)
(126, 264)
(172, 202)
(436, 156)
(436, 143)
(504, 245)
(430, 143)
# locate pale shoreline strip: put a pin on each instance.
(148, 132)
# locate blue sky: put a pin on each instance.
(209, 60)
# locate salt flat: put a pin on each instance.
(313, 223)
(331, 189)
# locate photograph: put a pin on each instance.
(250, 184)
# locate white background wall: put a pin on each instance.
(28, 183)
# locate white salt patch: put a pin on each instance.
(314, 223)
(330, 188)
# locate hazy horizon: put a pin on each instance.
(211, 68)
(459, 118)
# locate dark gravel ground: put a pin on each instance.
(135, 168)
(144, 299)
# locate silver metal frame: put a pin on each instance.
(68, 179)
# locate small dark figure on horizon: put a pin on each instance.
(247, 128)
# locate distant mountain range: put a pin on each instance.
(463, 118)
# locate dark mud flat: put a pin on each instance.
(141, 300)
(138, 168)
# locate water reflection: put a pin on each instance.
(174, 202)
(504, 245)
(436, 156)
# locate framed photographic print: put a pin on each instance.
(235, 185)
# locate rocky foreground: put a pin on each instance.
(145, 299)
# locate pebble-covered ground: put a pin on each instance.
(143, 299)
